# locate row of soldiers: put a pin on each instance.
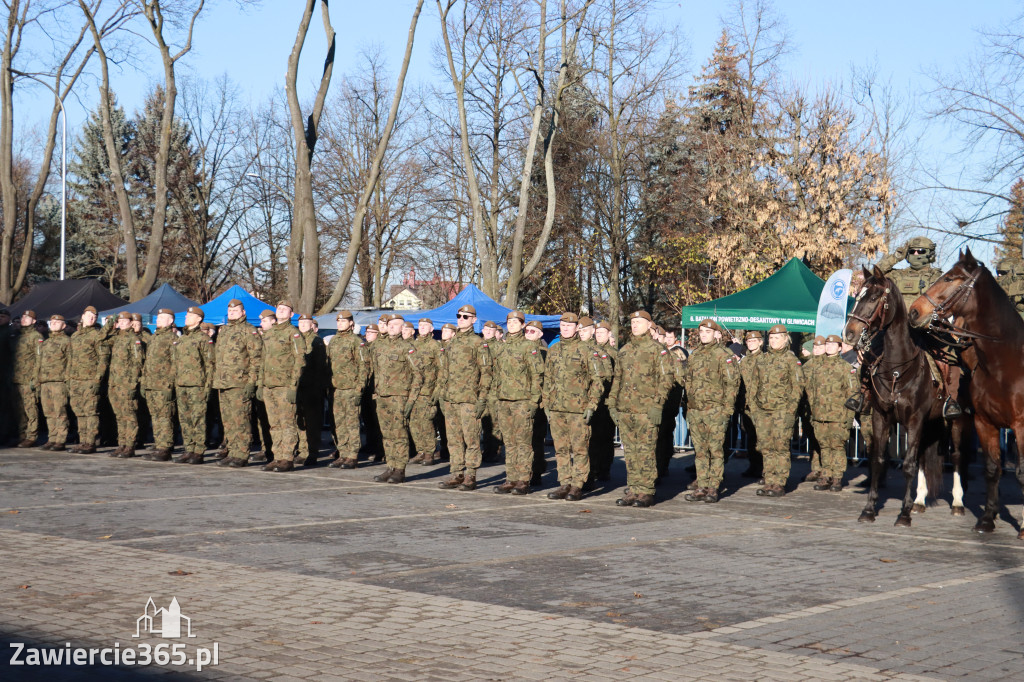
(583, 384)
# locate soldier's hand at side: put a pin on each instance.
(481, 408)
(292, 396)
(355, 399)
(249, 391)
(588, 415)
(615, 415)
(654, 414)
(407, 411)
(533, 411)
(259, 393)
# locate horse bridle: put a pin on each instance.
(937, 321)
(881, 310)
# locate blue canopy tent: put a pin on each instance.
(164, 297)
(486, 309)
(216, 311)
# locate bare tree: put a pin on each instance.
(26, 19)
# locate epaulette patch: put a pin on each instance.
(485, 344)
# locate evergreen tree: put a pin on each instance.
(1011, 229)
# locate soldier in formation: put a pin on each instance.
(347, 366)
(127, 358)
(397, 379)
(284, 356)
(237, 357)
(89, 354)
(776, 386)
(829, 379)
(26, 351)
(311, 393)
(53, 383)
(424, 410)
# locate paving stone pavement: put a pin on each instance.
(325, 575)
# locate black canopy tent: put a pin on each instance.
(68, 298)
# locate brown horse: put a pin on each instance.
(900, 388)
(987, 320)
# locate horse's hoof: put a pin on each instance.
(866, 517)
(902, 521)
(1020, 535)
(918, 509)
(957, 511)
(985, 526)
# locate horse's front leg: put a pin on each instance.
(876, 451)
(956, 433)
(922, 494)
(988, 435)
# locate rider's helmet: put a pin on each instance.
(1009, 266)
(920, 252)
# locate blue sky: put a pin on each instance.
(906, 38)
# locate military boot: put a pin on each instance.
(559, 493)
(196, 458)
(127, 453)
(235, 462)
(775, 491)
(280, 465)
(626, 500)
(116, 452)
(183, 458)
(837, 485)
(698, 495)
(643, 501)
(505, 488)
(813, 476)
(431, 458)
(418, 459)
(86, 449)
(48, 445)
(58, 447)
(220, 455)
(161, 455)
(574, 495)
(26, 442)
(397, 476)
(711, 497)
(824, 483)
(344, 463)
(383, 476)
(451, 483)
(468, 482)
(521, 488)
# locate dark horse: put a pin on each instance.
(967, 303)
(901, 388)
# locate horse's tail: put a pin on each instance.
(931, 464)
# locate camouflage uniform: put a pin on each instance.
(463, 381)
(602, 428)
(915, 280)
(712, 382)
(87, 364)
(572, 385)
(398, 381)
(236, 367)
(158, 386)
(311, 399)
(1011, 279)
(26, 348)
(368, 407)
(53, 385)
(347, 361)
(193, 376)
(643, 379)
(777, 383)
(284, 355)
(750, 413)
(829, 380)
(516, 383)
(421, 423)
(540, 427)
(127, 357)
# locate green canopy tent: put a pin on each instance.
(788, 297)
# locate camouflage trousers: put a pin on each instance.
(125, 402)
(236, 416)
(282, 416)
(310, 424)
(832, 437)
(707, 431)
(85, 403)
(515, 420)
(390, 414)
(639, 440)
(346, 423)
(775, 431)
(161, 414)
(192, 416)
(27, 410)
(463, 438)
(572, 442)
(811, 432)
(53, 395)
(421, 425)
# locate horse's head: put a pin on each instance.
(874, 310)
(946, 297)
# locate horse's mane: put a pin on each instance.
(1003, 315)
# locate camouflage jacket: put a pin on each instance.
(158, 370)
(53, 358)
(193, 359)
(1013, 285)
(747, 374)
(602, 363)
(347, 361)
(518, 370)
(26, 348)
(90, 353)
(571, 379)
(643, 376)
(314, 374)
(127, 357)
(829, 381)
(236, 355)
(612, 353)
(428, 355)
(777, 381)
(464, 375)
(711, 378)
(910, 283)
(396, 370)
(284, 356)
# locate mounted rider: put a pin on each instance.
(911, 282)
